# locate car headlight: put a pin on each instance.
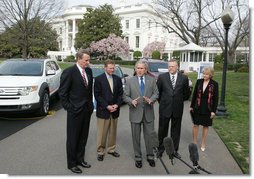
(24, 91)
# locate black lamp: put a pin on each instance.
(227, 18)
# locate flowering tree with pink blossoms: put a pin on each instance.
(154, 46)
(112, 46)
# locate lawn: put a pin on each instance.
(234, 130)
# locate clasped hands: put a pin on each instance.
(135, 101)
(112, 108)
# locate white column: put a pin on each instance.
(73, 31)
(66, 35)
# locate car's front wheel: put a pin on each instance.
(44, 103)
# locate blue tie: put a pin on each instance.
(142, 86)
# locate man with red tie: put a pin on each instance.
(77, 99)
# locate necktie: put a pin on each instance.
(142, 86)
(110, 80)
(173, 81)
(84, 78)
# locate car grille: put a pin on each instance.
(4, 91)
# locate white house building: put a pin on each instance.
(137, 25)
(66, 27)
(139, 29)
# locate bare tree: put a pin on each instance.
(199, 21)
(184, 17)
(239, 30)
(23, 12)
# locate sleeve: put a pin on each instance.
(120, 93)
(187, 91)
(127, 93)
(194, 95)
(65, 85)
(155, 95)
(215, 96)
(98, 87)
(159, 87)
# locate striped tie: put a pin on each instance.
(84, 78)
(173, 81)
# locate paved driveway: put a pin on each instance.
(39, 149)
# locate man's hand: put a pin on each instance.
(148, 100)
(134, 102)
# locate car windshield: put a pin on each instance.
(153, 67)
(21, 68)
(97, 70)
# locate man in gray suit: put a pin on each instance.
(140, 94)
(173, 90)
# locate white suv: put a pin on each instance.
(27, 84)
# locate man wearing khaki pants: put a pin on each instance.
(108, 91)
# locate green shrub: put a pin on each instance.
(156, 54)
(243, 69)
(137, 54)
(118, 59)
(70, 58)
(218, 66)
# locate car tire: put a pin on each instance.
(44, 103)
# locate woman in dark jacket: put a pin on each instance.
(204, 104)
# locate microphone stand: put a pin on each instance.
(193, 169)
(158, 156)
(200, 168)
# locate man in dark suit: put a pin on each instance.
(108, 91)
(76, 95)
(173, 90)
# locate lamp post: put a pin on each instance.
(227, 17)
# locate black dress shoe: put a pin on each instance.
(138, 164)
(100, 157)
(85, 165)
(76, 170)
(151, 162)
(115, 154)
(176, 155)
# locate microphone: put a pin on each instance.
(169, 147)
(155, 145)
(194, 157)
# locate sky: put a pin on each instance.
(101, 2)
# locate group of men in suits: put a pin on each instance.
(140, 93)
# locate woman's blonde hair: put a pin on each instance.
(209, 71)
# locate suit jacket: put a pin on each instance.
(73, 93)
(105, 97)
(205, 109)
(172, 100)
(132, 91)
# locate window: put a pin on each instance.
(137, 23)
(137, 41)
(127, 23)
(127, 39)
(149, 24)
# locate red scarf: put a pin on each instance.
(210, 95)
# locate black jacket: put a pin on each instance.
(105, 97)
(73, 93)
